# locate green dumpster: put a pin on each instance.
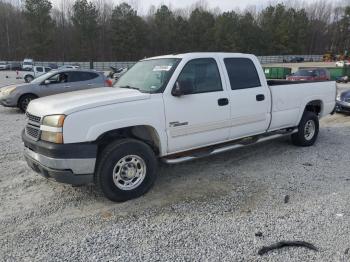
(277, 72)
(338, 72)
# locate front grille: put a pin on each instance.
(33, 118)
(33, 126)
(33, 132)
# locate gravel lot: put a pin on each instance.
(209, 209)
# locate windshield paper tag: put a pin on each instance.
(161, 68)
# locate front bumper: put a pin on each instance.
(342, 106)
(65, 163)
(8, 101)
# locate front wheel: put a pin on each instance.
(127, 169)
(24, 101)
(307, 130)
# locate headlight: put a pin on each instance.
(54, 137)
(338, 97)
(54, 120)
(51, 129)
(9, 90)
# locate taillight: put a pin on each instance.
(109, 83)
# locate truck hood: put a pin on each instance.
(70, 102)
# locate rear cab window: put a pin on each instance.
(242, 73)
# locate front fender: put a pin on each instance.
(89, 125)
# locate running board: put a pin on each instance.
(209, 151)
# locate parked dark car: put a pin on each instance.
(15, 66)
(343, 102)
(311, 74)
(296, 59)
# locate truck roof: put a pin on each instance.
(198, 54)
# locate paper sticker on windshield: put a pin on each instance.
(162, 68)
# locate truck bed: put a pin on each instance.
(289, 102)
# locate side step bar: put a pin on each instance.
(209, 151)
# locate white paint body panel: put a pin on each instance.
(91, 113)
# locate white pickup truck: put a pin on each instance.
(172, 108)
(36, 71)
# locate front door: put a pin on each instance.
(58, 83)
(201, 116)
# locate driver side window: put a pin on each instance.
(202, 75)
(59, 78)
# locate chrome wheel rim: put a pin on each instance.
(129, 172)
(309, 130)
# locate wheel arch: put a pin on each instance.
(145, 133)
(25, 94)
(316, 106)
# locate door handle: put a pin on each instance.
(260, 97)
(66, 86)
(223, 102)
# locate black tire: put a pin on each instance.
(24, 101)
(109, 160)
(28, 78)
(304, 137)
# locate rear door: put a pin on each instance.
(249, 97)
(80, 80)
(200, 117)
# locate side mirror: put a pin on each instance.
(182, 88)
(47, 82)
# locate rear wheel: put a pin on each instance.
(28, 78)
(24, 101)
(127, 169)
(307, 130)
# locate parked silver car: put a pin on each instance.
(53, 82)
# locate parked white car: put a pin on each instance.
(27, 64)
(4, 65)
(342, 63)
(29, 76)
(172, 108)
(69, 67)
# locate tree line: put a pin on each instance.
(82, 30)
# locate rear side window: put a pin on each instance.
(47, 69)
(81, 76)
(39, 69)
(242, 73)
(203, 75)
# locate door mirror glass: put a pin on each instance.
(181, 88)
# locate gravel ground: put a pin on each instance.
(209, 209)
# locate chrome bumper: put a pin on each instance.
(77, 166)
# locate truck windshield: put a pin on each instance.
(149, 76)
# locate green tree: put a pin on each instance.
(227, 32)
(39, 27)
(163, 30)
(129, 33)
(202, 31)
(84, 18)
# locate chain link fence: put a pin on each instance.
(105, 66)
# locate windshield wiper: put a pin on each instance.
(129, 87)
